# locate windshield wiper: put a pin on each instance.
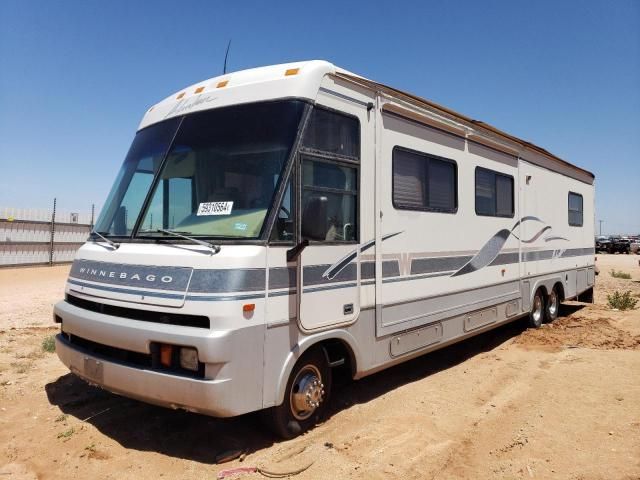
(111, 243)
(214, 248)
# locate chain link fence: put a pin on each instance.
(41, 236)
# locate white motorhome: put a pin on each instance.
(272, 225)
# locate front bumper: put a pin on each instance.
(233, 376)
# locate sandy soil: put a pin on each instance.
(27, 295)
(559, 402)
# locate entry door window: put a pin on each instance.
(330, 163)
(338, 183)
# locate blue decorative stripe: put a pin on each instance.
(417, 277)
(331, 287)
(225, 298)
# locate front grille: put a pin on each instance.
(133, 359)
(197, 321)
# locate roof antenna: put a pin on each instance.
(226, 55)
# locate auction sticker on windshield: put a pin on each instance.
(215, 208)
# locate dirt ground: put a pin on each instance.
(559, 402)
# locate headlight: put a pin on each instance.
(189, 359)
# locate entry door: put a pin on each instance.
(329, 173)
(331, 293)
(329, 266)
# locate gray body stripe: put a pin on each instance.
(232, 281)
(313, 274)
(228, 280)
(282, 277)
(506, 259)
(438, 264)
(127, 291)
(368, 270)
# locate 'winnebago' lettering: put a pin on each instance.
(147, 276)
(124, 275)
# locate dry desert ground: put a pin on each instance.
(559, 402)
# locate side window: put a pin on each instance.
(424, 182)
(336, 186)
(330, 162)
(575, 210)
(494, 193)
(332, 132)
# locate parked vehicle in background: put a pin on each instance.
(602, 243)
(619, 245)
(634, 247)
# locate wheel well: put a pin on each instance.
(340, 355)
(560, 289)
(544, 292)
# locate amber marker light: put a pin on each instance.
(222, 84)
(180, 96)
(248, 307)
(166, 352)
(199, 90)
(291, 71)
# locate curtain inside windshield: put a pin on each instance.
(219, 176)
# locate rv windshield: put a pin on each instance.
(218, 179)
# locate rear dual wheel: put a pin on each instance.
(536, 316)
(544, 308)
(552, 306)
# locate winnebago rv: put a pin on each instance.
(273, 225)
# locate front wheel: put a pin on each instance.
(306, 396)
(537, 310)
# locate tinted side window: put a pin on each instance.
(332, 132)
(494, 193)
(330, 156)
(424, 182)
(575, 209)
(339, 185)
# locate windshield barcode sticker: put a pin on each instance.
(215, 208)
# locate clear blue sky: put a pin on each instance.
(76, 77)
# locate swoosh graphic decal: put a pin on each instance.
(487, 253)
(337, 267)
(548, 239)
(492, 248)
(537, 235)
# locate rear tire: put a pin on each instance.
(536, 316)
(552, 306)
(305, 398)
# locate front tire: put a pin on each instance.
(552, 306)
(305, 398)
(537, 310)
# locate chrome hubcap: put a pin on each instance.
(537, 309)
(307, 392)
(553, 304)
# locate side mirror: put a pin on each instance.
(314, 218)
